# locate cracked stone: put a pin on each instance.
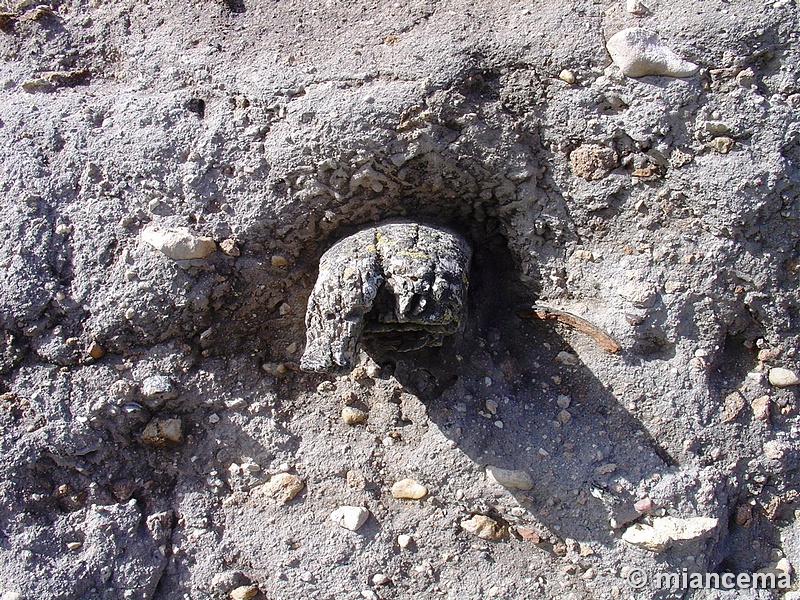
(404, 282)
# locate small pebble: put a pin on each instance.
(279, 261)
(229, 247)
(244, 592)
(350, 517)
(760, 408)
(643, 505)
(733, 405)
(282, 486)
(563, 401)
(781, 378)
(483, 527)
(178, 243)
(161, 433)
(528, 533)
(606, 469)
(784, 565)
(635, 7)
(404, 541)
(721, 144)
(568, 359)
(213, 418)
(380, 579)
(369, 595)
(353, 416)
(73, 545)
(567, 76)
(96, 351)
(409, 489)
(158, 387)
(518, 480)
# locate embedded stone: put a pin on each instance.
(593, 161)
(158, 387)
(483, 527)
(283, 487)
(639, 52)
(161, 433)
(178, 243)
(693, 528)
(665, 531)
(518, 480)
(403, 282)
(646, 537)
(244, 592)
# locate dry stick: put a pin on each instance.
(545, 312)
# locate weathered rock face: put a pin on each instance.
(401, 278)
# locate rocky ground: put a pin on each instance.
(172, 173)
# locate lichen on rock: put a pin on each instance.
(403, 280)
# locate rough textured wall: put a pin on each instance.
(150, 383)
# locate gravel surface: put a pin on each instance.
(621, 396)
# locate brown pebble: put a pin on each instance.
(527, 533)
(279, 261)
(96, 351)
(760, 408)
(162, 433)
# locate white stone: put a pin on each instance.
(638, 294)
(178, 243)
(244, 592)
(780, 377)
(404, 541)
(518, 480)
(639, 52)
(350, 517)
(693, 528)
(647, 537)
(635, 7)
(483, 527)
(565, 358)
(776, 449)
(784, 565)
(11, 596)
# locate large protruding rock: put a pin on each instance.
(639, 52)
(403, 280)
